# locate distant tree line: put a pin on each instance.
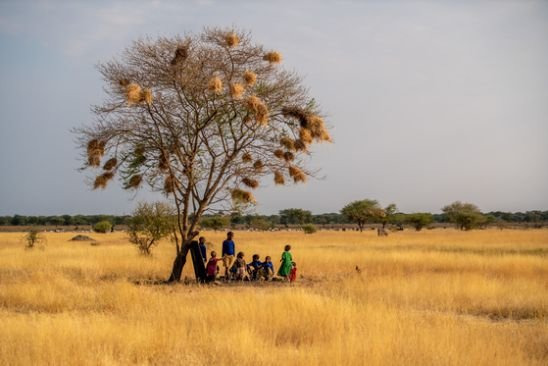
(369, 209)
(62, 220)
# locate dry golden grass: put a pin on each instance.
(438, 297)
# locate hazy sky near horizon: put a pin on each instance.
(429, 102)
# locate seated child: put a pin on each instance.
(212, 269)
(239, 267)
(254, 267)
(293, 273)
(267, 269)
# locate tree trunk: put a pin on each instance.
(179, 263)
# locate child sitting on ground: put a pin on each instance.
(239, 267)
(254, 267)
(267, 269)
(212, 269)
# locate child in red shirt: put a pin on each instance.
(212, 268)
(293, 272)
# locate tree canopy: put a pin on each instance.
(203, 118)
(363, 211)
(465, 215)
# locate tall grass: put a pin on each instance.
(439, 297)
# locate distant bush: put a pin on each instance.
(258, 223)
(215, 222)
(419, 220)
(309, 229)
(33, 237)
(149, 224)
(102, 227)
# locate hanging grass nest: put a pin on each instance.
(239, 195)
(317, 128)
(305, 135)
(297, 113)
(95, 151)
(133, 93)
(279, 153)
(289, 156)
(250, 77)
(232, 39)
(181, 54)
(146, 96)
(170, 184)
(236, 90)
(258, 165)
(163, 161)
(297, 174)
(102, 180)
(250, 182)
(279, 178)
(258, 108)
(262, 115)
(247, 158)
(134, 182)
(110, 164)
(273, 57)
(215, 85)
(287, 142)
(299, 145)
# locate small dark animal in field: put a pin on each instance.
(358, 269)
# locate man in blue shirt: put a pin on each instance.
(229, 249)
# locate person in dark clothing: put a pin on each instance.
(203, 248)
(267, 269)
(254, 267)
(229, 249)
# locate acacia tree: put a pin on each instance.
(363, 211)
(202, 118)
(464, 215)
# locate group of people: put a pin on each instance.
(236, 267)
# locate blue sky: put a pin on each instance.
(429, 102)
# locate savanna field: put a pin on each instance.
(435, 297)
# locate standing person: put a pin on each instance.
(286, 262)
(293, 273)
(203, 248)
(229, 249)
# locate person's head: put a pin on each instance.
(241, 254)
(201, 239)
(256, 257)
(213, 254)
(268, 259)
(229, 235)
(287, 248)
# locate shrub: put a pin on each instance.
(419, 220)
(34, 237)
(149, 224)
(102, 227)
(309, 228)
